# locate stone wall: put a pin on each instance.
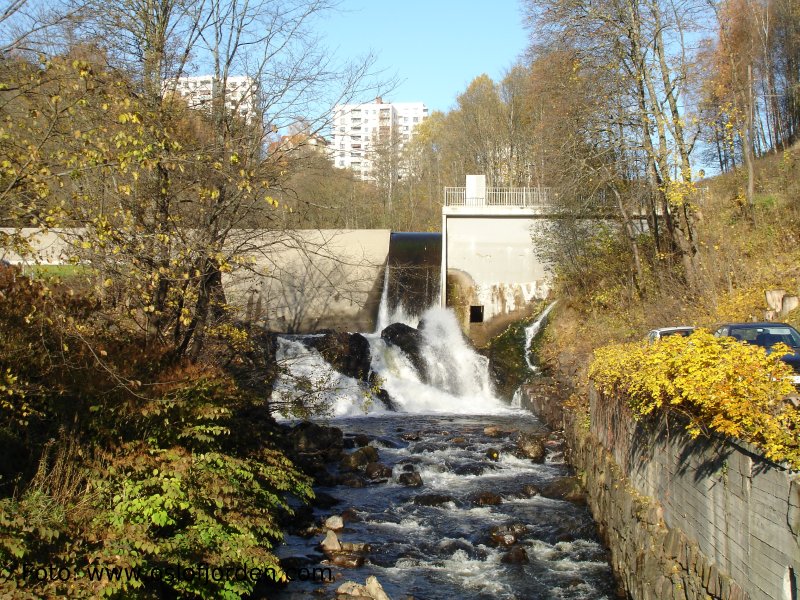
(684, 518)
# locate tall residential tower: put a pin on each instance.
(359, 130)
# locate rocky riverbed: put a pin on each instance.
(465, 506)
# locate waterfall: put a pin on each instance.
(530, 333)
(411, 278)
(456, 378)
(397, 314)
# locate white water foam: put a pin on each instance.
(458, 379)
(530, 333)
(310, 380)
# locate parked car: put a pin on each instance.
(662, 332)
(767, 335)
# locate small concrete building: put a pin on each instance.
(489, 268)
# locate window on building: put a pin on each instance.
(416, 119)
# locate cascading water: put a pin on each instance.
(456, 377)
(531, 331)
(411, 278)
(435, 540)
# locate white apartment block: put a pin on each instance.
(241, 93)
(356, 128)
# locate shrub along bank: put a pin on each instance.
(719, 384)
(116, 458)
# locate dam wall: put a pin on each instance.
(288, 281)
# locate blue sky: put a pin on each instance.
(434, 47)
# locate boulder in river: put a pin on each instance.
(529, 491)
(310, 437)
(515, 556)
(487, 499)
(348, 353)
(531, 446)
(410, 341)
(412, 479)
(353, 481)
(330, 543)
(507, 535)
(494, 431)
(358, 459)
(432, 499)
(566, 488)
(376, 470)
(347, 560)
(371, 590)
(334, 523)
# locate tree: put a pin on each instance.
(174, 194)
(636, 51)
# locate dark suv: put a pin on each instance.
(767, 335)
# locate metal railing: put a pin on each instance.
(499, 196)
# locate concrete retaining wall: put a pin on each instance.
(296, 281)
(684, 518)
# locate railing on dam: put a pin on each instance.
(598, 202)
(499, 196)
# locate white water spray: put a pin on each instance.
(530, 333)
(457, 378)
(399, 314)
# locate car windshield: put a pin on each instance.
(767, 336)
(682, 332)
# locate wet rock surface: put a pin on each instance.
(439, 518)
(410, 341)
(348, 353)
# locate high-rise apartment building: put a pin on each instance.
(241, 93)
(360, 129)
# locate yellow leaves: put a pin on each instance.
(721, 384)
(271, 201)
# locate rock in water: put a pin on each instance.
(334, 523)
(507, 535)
(375, 470)
(348, 353)
(410, 341)
(488, 499)
(412, 479)
(566, 488)
(331, 543)
(310, 437)
(374, 589)
(531, 446)
(359, 459)
(432, 499)
(347, 560)
(515, 556)
(529, 491)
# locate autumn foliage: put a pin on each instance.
(720, 384)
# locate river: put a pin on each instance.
(434, 541)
